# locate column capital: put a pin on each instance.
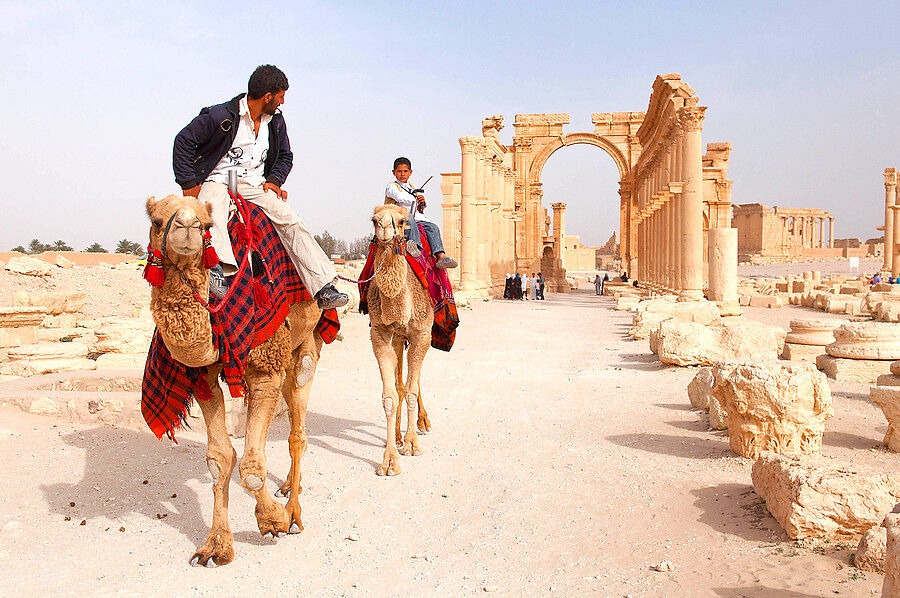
(469, 145)
(890, 178)
(558, 206)
(691, 117)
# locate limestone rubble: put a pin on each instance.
(732, 339)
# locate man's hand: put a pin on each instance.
(192, 192)
(278, 190)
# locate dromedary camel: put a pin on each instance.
(400, 312)
(286, 362)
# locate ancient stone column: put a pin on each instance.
(831, 233)
(723, 264)
(692, 198)
(468, 218)
(895, 244)
(670, 242)
(890, 198)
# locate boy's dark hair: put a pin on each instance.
(266, 79)
(401, 161)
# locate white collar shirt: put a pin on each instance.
(401, 194)
(248, 151)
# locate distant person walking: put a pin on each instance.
(507, 289)
(598, 285)
(515, 286)
(533, 287)
(525, 286)
(541, 284)
(603, 283)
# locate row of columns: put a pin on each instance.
(669, 195)
(804, 230)
(891, 223)
(487, 221)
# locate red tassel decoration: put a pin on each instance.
(210, 258)
(202, 390)
(261, 297)
(153, 272)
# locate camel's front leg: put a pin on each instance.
(386, 357)
(297, 398)
(415, 355)
(220, 459)
(264, 393)
(399, 345)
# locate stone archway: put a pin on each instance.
(492, 207)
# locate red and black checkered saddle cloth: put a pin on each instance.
(435, 281)
(169, 386)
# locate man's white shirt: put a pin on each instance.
(402, 195)
(248, 152)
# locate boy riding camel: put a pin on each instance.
(247, 135)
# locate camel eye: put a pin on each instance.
(157, 222)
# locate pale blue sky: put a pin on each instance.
(94, 93)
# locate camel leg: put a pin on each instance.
(264, 389)
(415, 355)
(220, 459)
(398, 377)
(423, 423)
(387, 357)
(297, 399)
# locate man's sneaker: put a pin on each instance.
(413, 249)
(329, 298)
(445, 263)
(218, 282)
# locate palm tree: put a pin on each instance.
(126, 246)
(61, 246)
(95, 248)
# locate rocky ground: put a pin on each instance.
(564, 460)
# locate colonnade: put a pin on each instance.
(487, 223)
(807, 230)
(891, 223)
(669, 197)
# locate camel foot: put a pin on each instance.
(217, 550)
(293, 509)
(423, 423)
(390, 465)
(285, 489)
(273, 519)
(411, 445)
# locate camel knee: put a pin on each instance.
(297, 442)
(253, 473)
(219, 465)
(389, 403)
(304, 370)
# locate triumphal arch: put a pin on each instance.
(675, 202)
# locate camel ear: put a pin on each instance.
(151, 202)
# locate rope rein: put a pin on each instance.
(396, 243)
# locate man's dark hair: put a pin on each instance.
(266, 79)
(401, 160)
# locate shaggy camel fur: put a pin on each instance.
(400, 312)
(285, 364)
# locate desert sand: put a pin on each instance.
(564, 460)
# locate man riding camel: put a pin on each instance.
(247, 134)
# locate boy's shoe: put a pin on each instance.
(218, 282)
(329, 297)
(446, 263)
(413, 249)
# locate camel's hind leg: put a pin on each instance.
(387, 357)
(304, 357)
(220, 459)
(399, 345)
(423, 424)
(415, 354)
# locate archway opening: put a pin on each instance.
(586, 179)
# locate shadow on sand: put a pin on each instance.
(686, 447)
(759, 592)
(736, 510)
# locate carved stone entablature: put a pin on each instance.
(692, 118)
(490, 126)
(522, 144)
(469, 145)
(558, 118)
(890, 177)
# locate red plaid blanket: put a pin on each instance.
(168, 386)
(435, 281)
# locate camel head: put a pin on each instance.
(177, 227)
(390, 222)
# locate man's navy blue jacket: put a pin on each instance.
(202, 143)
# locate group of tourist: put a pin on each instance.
(521, 286)
(890, 279)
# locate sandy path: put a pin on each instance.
(564, 461)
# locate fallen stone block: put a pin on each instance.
(843, 304)
(45, 358)
(812, 332)
(774, 406)
(699, 388)
(888, 399)
(627, 302)
(19, 325)
(866, 340)
(28, 266)
(63, 262)
(811, 497)
(795, 352)
(645, 320)
(770, 301)
(871, 550)
(887, 311)
(862, 371)
(891, 586)
(123, 335)
(728, 340)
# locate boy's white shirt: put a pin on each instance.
(401, 194)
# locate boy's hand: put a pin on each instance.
(278, 190)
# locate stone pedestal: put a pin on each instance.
(862, 371)
(774, 407)
(19, 325)
(808, 353)
(888, 399)
(812, 332)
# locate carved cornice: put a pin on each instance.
(469, 145)
(522, 144)
(691, 118)
(890, 177)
